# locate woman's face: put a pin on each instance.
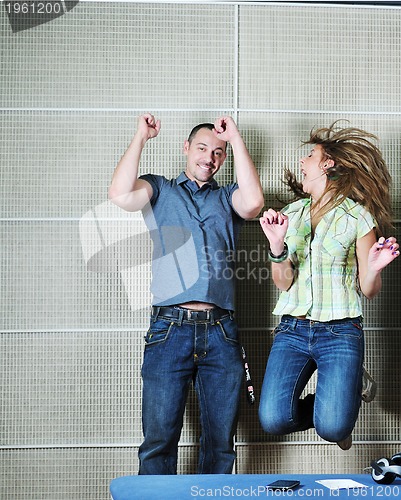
(313, 170)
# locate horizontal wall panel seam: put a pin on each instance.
(118, 110)
(206, 110)
(185, 444)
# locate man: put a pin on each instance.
(194, 225)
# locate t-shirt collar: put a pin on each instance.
(182, 178)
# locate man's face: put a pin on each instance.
(205, 155)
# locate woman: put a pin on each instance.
(325, 253)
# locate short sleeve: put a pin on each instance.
(156, 181)
(229, 190)
(366, 223)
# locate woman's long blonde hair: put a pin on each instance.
(359, 172)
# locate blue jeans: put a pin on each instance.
(178, 353)
(336, 350)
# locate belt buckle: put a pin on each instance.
(193, 314)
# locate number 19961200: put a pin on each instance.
(34, 7)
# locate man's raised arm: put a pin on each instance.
(126, 190)
(248, 198)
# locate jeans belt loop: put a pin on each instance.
(156, 311)
(180, 317)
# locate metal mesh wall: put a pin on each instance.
(74, 305)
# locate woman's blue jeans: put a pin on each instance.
(336, 350)
(178, 353)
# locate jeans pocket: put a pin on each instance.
(229, 329)
(351, 328)
(282, 327)
(158, 332)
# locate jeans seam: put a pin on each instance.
(296, 385)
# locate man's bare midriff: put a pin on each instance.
(197, 306)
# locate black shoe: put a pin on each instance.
(346, 443)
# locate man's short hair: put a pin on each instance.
(196, 129)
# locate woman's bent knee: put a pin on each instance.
(273, 424)
(335, 433)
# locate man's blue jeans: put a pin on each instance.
(336, 350)
(178, 353)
